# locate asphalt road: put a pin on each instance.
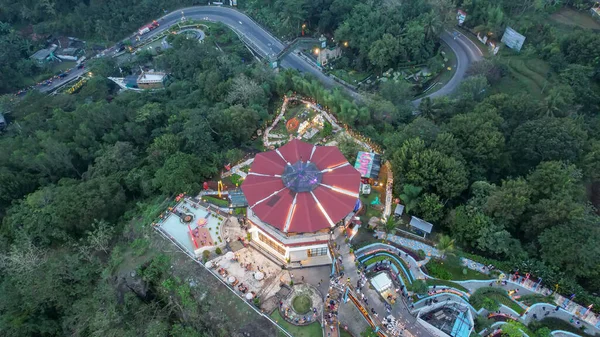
(466, 52)
(268, 45)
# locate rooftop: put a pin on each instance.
(421, 224)
(150, 77)
(301, 188)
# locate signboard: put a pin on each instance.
(512, 39)
(461, 16)
(368, 164)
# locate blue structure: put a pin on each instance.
(461, 327)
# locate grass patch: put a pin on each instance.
(302, 304)
(536, 298)
(352, 77)
(311, 330)
(216, 201)
(435, 282)
(556, 324)
(478, 299)
(451, 269)
(526, 74)
(571, 17)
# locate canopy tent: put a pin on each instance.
(231, 279)
(230, 255)
(399, 210)
(259, 275)
(421, 225)
(209, 264)
(381, 282)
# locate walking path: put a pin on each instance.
(399, 309)
(568, 311)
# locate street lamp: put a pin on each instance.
(316, 51)
(346, 44)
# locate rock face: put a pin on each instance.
(130, 281)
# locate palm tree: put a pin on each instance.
(432, 25)
(445, 245)
(410, 196)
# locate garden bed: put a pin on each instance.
(451, 269)
(436, 282)
(216, 201)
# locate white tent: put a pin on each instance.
(381, 282)
(209, 264)
(231, 279)
(230, 255)
(249, 296)
(259, 275)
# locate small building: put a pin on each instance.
(420, 226)
(382, 282)
(151, 80)
(399, 210)
(44, 55)
(327, 54)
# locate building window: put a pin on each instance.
(271, 243)
(317, 252)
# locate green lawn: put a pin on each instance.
(216, 201)
(446, 74)
(301, 304)
(311, 330)
(435, 282)
(352, 76)
(571, 17)
(556, 324)
(450, 269)
(497, 294)
(526, 75)
(535, 298)
(504, 299)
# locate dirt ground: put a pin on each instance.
(572, 17)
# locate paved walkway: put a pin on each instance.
(399, 309)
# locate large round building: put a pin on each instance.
(296, 195)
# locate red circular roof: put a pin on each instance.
(301, 187)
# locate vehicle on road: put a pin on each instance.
(147, 28)
(81, 66)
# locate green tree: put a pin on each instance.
(480, 140)
(410, 196)
(179, 174)
(430, 207)
(384, 51)
(445, 245)
(509, 203)
(546, 139)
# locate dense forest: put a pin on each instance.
(511, 177)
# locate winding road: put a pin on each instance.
(263, 42)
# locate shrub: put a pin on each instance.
(205, 255)
(421, 254)
(139, 246)
(420, 287)
(218, 251)
(435, 269)
(249, 237)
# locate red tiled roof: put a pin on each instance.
(289, 210)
